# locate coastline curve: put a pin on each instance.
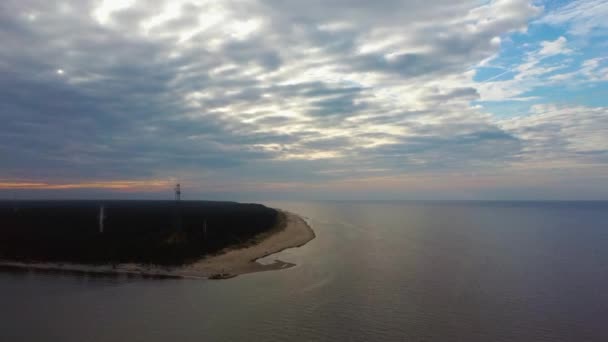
(295, 232)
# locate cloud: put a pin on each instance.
(531, 73)
(556, 47)
(582, 17)
(571, 136)
(254, 92)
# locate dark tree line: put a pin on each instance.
(158, 232)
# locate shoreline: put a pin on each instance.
(226, 264)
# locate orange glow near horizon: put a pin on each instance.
(113, 185)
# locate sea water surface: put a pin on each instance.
(377, 271)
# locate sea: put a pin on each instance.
(377, 271)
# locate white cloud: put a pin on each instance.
(106, 8)
(589, 71)
(582, 16)
(556, 47)
(531, 73)
(569, 135)
(595, 69)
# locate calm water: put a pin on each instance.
(378, 271)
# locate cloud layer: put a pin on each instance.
(265, 96)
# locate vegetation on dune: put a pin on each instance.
(156, 232)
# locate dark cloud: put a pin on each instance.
(467, 94)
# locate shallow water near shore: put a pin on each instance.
(377, 271)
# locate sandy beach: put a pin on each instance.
(291, 231)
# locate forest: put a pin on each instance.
(154, 232)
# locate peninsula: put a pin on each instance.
(195, 239)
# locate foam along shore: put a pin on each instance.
(228, 263)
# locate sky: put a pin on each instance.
(342, 99)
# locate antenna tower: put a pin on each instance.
(178, 192)
(177, 215)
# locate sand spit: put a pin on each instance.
(229, 263)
